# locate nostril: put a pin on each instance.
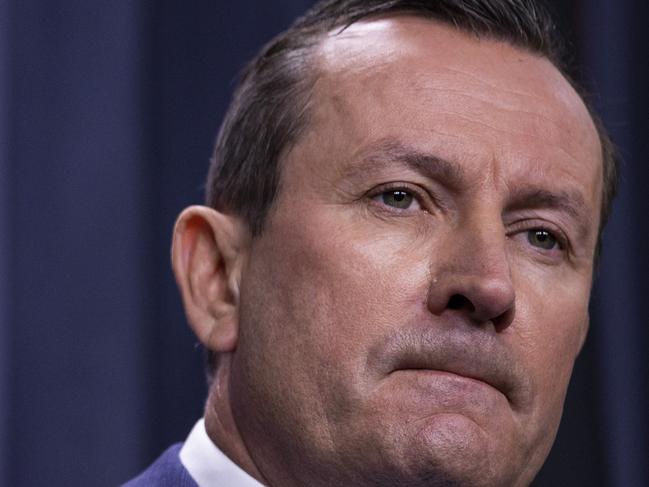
(459, 301)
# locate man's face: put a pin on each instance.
(412, 312)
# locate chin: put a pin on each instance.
(461, 452)
(446, 450)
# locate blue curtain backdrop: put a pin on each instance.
(108, 112)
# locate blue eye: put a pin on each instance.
(542, 239)
(397, 198)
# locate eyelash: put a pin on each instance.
(421, 196)
(523, 227)
(425, 201)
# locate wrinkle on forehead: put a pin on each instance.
(367, 49)
(463, 80)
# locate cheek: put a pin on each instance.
(312, 305)
(333, 287)
(550, 324)
(551, 313)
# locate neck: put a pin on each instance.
(220, 424)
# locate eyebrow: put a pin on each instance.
(570, 202)
(387, 152)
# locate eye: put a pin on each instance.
(400, 199)
(542, 239)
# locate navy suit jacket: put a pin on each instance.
(166, 471)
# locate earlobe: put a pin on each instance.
(207, 256)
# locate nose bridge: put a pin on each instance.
(482, 248)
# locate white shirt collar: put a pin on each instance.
(208, 465)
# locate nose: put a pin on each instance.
(472, 276)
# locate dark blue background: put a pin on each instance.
(108, 111)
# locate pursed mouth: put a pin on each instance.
(473, 354)
(451, 373)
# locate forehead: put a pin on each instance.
(426, 55)
(445, 91)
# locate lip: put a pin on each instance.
(453, 375)
(481, 379)
(473, 355)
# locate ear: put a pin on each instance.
(207, 256)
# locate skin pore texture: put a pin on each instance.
(413, 309)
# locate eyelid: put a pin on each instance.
(423, 197)
(537, 224)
